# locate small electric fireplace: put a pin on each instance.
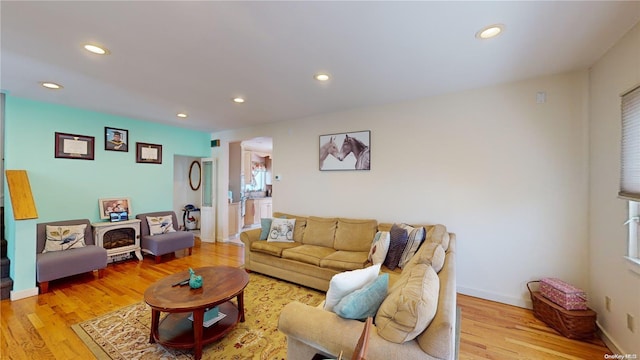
(116, 238)
(120, 239)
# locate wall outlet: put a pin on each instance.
(631, 322)
(607, 303)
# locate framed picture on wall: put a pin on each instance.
(345, 151)
(116, 139)
(116, 204)
(72, 146)
(148, 153)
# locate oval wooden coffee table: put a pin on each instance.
(219, 285)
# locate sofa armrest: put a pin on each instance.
(249, 237)
(309, 325)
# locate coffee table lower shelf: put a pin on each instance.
(176, 330)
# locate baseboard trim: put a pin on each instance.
(23, 294)
(606, 338)
(509, 300)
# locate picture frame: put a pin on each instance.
(116, 139)
(148, 153)
(114, 204)
(73, 146)
(345, 151)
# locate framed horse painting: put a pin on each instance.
(345, 151)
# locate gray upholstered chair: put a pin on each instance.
(166, 243)
(54, 265)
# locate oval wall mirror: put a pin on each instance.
(194, 175)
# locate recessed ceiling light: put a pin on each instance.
(181, 115)
(51, 85)
(97, 49)
(238, 100)
(321, 77)
(490, 31)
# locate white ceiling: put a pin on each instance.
(177, 56)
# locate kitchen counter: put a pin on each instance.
(257, 208)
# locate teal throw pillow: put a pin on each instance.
(365, 301)
(265, 224)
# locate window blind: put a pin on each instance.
(630, 162)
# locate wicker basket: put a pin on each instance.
(574, 324)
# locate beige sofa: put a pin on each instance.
(315, 257)
(323, 247)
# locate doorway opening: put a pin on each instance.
(185, 193)
(250, 183)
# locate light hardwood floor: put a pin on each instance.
(38, 327)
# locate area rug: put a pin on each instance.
(124, 334)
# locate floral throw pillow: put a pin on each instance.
(379, 247)
(61, 238)
(160, 224)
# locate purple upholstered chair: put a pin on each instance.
(166, 243)
(58, 264)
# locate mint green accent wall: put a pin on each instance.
(66, 189)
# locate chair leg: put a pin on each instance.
(44, 287)
(158, 259)
(100, 273)
(190, 250)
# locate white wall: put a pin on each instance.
(507, 175)
(618, 71)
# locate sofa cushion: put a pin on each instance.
(379, 247)
(410, 305)
(354, 234)
(295, 271)
(365, 301)
(345, 260)
(399, 238)
(64, 237)
(345, 283)
(439, 235)
(416, 236)
(385, 226)
(272, 248)
(298, 231)
(57, 264)
(160, 224)
(301, 224)
(167, 243)
(320, 231)
(310, 254)
(429, 253)
(433, 254)
(281, 230)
